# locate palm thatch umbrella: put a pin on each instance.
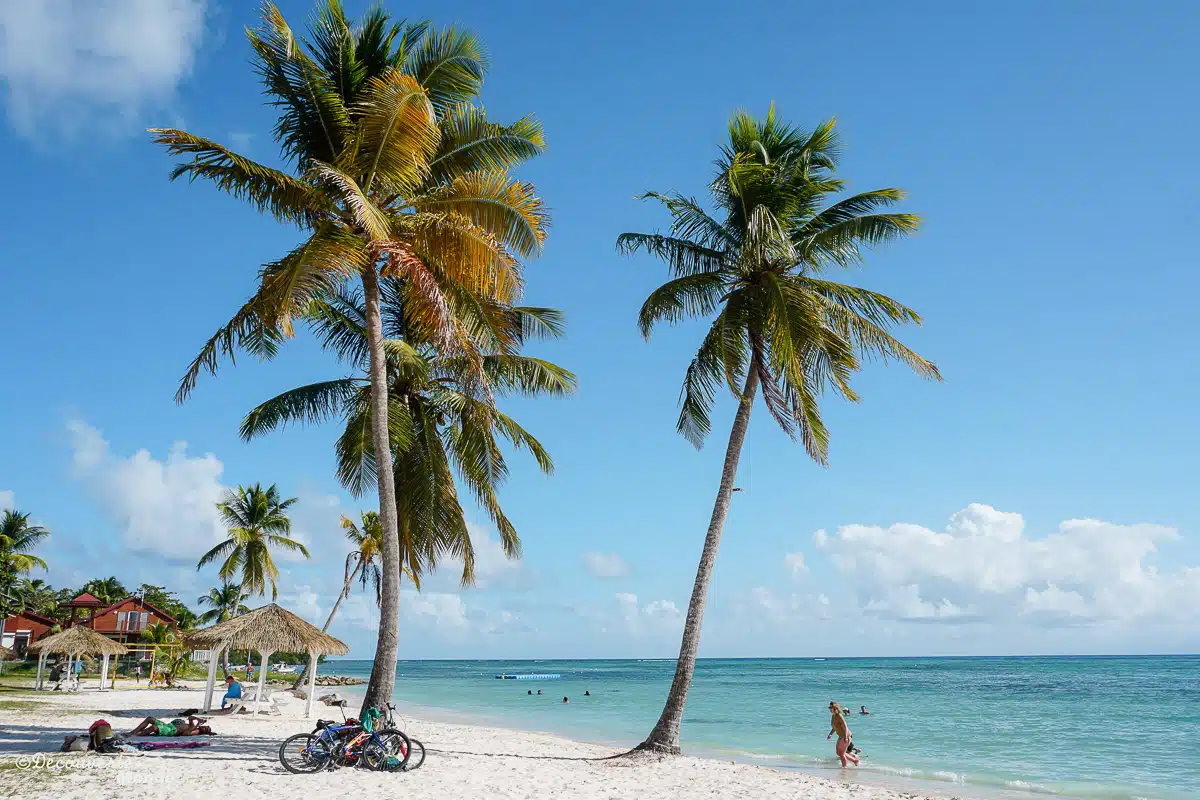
(77, 641)
(6, 654)
(267, 630)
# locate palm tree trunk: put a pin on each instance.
(337, 603)
(383, 671)
(665, 736)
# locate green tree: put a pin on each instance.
(225, 603)
(257, 521)
(106, 590)
(395, 175)
(158, 634)
(34, 594)
(17, 541)
(756, 269)
(444, 419)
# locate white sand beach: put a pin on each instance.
(464, 761)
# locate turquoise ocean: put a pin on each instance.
(1078, 727)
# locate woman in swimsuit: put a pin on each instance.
(192, 726)
(838, 725)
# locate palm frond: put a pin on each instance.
(309, 404)
(284, 197)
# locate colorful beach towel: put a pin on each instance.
(169, 745)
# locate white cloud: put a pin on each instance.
(984, 566)
(78, 63)
(656, 616)
(795, 564)
(444, 611)
(7, 499)
(164, 506)
(606, 565)
(302, 601)
(764, 605)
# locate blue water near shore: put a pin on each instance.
(1109, 728)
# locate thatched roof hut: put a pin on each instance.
(79, 640)
(6, 654)
(269, 629)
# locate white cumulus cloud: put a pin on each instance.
(656, 616)
(606, 565)
(984, 566)
(76, 64)
(794, 562)
(159, 505)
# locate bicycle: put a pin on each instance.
(349, 744)
(413, 752)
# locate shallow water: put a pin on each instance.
(1109, 728)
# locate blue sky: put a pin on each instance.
(1042, 499)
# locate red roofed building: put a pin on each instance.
(25, 628)
(124, 621)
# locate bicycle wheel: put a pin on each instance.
(388, 750)
(304, 754)
(416, 755)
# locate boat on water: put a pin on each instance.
(288, 668)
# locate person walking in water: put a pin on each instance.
(838, 725)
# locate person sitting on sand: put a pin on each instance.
(192, 726)
(863, 711)
(838, 725)
(233, 691)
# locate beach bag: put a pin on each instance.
(369, 718)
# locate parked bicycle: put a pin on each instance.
(413, 752)
(353, 743)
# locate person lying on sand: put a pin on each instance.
(192, 726)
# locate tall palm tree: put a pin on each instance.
(225, 603)
(395, 174)
(443, 415)
(362, 564)
(757, 269)
(257, 521)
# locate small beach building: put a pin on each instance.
(23, 629)
(85, 605)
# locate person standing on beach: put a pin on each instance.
(838, 725)
(137, 673)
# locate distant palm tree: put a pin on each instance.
(17, 539)
(225, 603)
(158, 633)
(257, 521)
(778, 323)
(35, 595)
(362, 564)
(106, 590)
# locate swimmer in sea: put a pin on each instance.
(587, 694)
(862, 710)
(565, 700)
